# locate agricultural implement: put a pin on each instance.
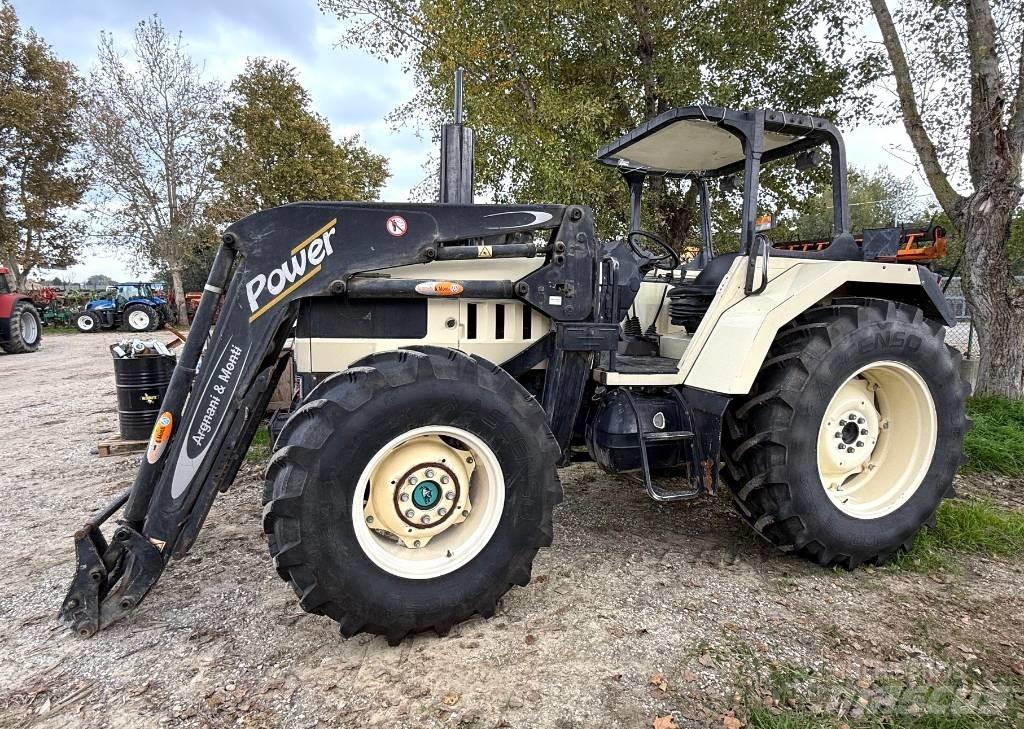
(453, 357)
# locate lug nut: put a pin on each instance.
(860, 444)
(842, 423)
(403, 497)
(842, 446)
(860, 421)
(853, 416)
(416, 543)
(838, 434)
(849, 450)
(410, 513)
(863, 431)
(425, 519)
(442, 511)
(412, 480)
(445, 479)
(450, 496)
(465, 513)
(469, 459)
(369, 520)
(429, 473)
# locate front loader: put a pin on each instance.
(452, 357)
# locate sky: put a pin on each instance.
(353, 90)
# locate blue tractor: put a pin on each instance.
(132, 306)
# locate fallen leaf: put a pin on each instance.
(1018, 668)
(665, 722)
(531, 639)
(450, 699)
(705, 659)
(689, 676)
(658, 679)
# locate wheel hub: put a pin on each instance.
(850, 432)
(420, 490)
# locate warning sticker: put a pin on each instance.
(397, 226)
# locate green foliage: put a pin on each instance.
(961, 526)
(40, 179)
(996, 442)
(259, 449)
(549, 82)
(277, 150)
(877, 199)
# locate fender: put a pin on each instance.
(7, 302)
(733, 339)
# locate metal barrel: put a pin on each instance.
(141, 383)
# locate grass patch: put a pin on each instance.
(965, 526)
(996, 442)
(259, 449)
(765, 719)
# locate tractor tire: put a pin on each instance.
(87, 322)
(140, 318)
(344, 521)
(851, 434)
(26, 329)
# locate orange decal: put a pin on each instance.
(160, 437)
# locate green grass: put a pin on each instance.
(765, 719)
(965, 527)
(259, 449)
(996, 442)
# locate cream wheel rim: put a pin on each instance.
(877, 440)
(85, 322)
(428, 502)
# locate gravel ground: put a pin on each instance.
(637, 611)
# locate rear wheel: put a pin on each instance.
(140, 318)
(852, 433)
(26, 329)
(411, 492)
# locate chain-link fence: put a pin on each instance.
(962, 336)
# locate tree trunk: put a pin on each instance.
(179, 295)
(996, 299)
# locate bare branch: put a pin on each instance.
(950, 200)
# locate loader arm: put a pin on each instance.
(222, 382)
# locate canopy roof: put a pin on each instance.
(694, 141)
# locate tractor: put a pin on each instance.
(20, 326)
(133, 306)
(453, 357)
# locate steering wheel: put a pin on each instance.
(668, 255)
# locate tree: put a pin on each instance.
(40, 180)
(966, 62)
(551, 81)
(153, 134)
(99, 280)
(877, 199)
(277, 150)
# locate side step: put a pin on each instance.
(653, 490)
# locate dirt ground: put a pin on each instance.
(638, 610)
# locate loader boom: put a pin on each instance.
(219, 391)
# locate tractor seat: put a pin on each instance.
(689, 301)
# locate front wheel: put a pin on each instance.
(852, 433)
(410, 492)
(87, 322)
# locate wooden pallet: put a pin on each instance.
(118, 446)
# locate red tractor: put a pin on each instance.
(20, 327)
